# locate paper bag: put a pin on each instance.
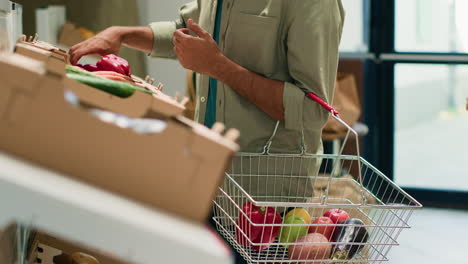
(346, 102)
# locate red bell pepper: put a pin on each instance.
(257, 234)
(88, 67)
(115, 64)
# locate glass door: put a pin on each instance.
(421, 91)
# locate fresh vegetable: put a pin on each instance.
(302, 213)
(114, 87)
(337, 215)
(120, 89)
(112, 73)
(88, 67)
(104, 74)
(257, 234)
(114, 63)
(109, 63)
(311, 247)
(353, 232)
(290, 233)
(323, 225)
(114, 76)
(78, 70)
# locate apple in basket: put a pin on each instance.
(323, 225)
(337, 215)
(311, 247)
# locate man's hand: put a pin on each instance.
(104, 43)
(200, 54)
(110, 40)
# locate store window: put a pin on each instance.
(431, 26)
(431, 125)
(355, 33)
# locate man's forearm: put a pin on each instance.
(266, 94)
(111, 39)
(201, 54)
(139, 38)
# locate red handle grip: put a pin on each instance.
(321, 102)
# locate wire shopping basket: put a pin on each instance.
(311, 208)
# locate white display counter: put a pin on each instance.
(101, 220)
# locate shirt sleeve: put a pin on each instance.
(164, 31)
(313, 39)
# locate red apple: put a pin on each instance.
(323, 225)
(337, 215)
(313, 247)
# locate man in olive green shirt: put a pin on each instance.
(266, 55)
(269, 53)
(255, 60)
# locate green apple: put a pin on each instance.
(289, 234)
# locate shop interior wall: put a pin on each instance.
(94, 15)
(169, 72)
(4, 4)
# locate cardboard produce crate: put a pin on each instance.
(42, 248)
(178, 169)
(138, 105)
(47, 249)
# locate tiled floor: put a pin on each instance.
(437, 236)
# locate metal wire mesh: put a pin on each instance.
(315, 183)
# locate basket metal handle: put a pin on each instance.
(335, 115)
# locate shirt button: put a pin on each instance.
(202, 99)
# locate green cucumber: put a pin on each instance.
(77, 70)
(119, 89)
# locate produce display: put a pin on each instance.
(115, 76)
(118, 88)
(117, 70)
(109, 63)
(334, 235)
(125, 86)
(257, 234)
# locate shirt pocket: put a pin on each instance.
(252, 42)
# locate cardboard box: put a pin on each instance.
(178, 169)
(138, 105)
(47, 249)
(7, 247)
(43, 248)
(70, 35)
(54, 60)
